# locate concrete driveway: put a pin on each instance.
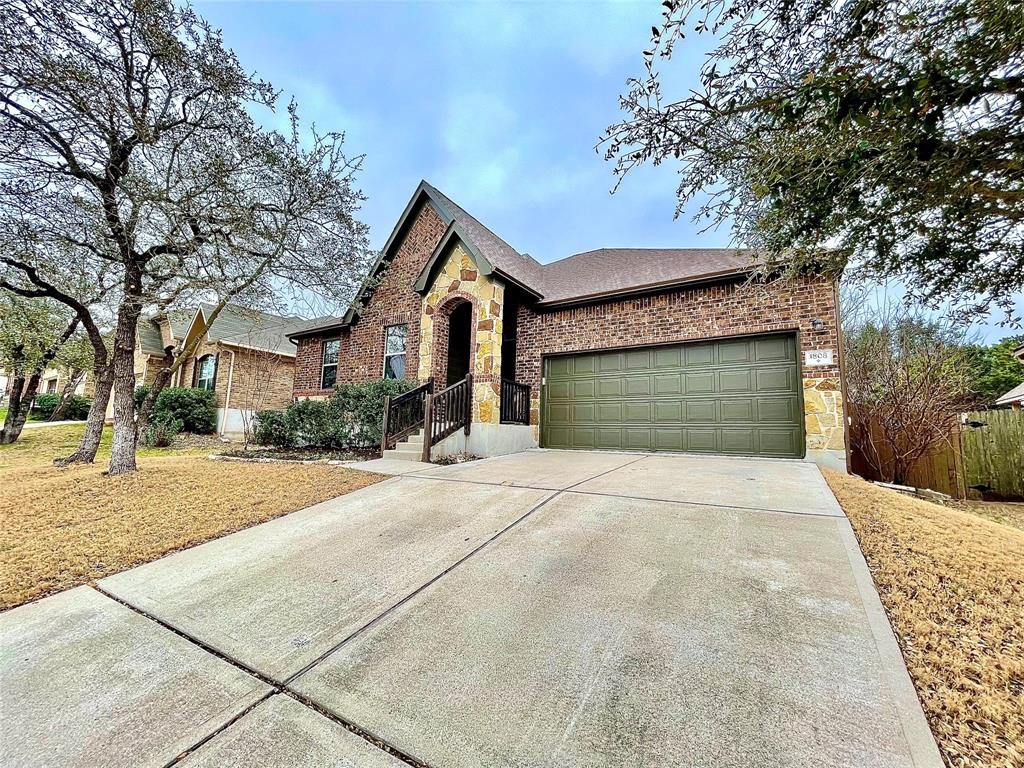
(542, 609)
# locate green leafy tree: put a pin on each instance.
(891, 131)
(997, 370)
(32, 332)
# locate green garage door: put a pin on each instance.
(739, 396)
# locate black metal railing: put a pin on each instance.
(447, 412)
(515, 402)
(403, 415)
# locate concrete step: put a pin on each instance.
(416, 439)
(404, 453)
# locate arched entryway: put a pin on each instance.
(452, 351)
(460, 336)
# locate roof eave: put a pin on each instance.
(639, 290)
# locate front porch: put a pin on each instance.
(468, 399)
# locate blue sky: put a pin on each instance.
(499, 105)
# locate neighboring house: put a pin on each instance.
(1015, 397)
(244, 356)
(54, 380)
(621, 348)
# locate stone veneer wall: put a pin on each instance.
(457, 281)
(712, 311)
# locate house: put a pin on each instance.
(1015, 397)
(616, 348)
(244, 356)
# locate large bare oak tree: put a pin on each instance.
(130, 158)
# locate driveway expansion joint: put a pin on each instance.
(277, 687)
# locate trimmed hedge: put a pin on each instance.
(46, 404)
(351, 418)
(196, 409)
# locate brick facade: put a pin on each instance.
(715, 311)
(393, 302)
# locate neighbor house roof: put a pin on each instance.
(243, 327)
(1015, 395)
(585, 276)
(150, 340)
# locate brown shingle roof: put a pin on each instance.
(610, 271)
(521, 267)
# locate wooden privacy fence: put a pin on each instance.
(982, 456)
(993, 450)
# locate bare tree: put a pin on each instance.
(908, 377)
(128, 154)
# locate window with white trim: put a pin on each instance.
(394, 351)
(206, 372)
(329, 363)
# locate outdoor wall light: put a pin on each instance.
(817, 325)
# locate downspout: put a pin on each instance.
(227, 395)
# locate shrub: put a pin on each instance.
(351, 417)
(362, 407)
(45, 405)
(161, 432)
(195, 408)
(78, 407)
(273, 428)
(317, 424)
(140, 395)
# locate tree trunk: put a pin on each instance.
(65, 396)
(122, 452)
(86, 451)
(160, 382)
(22, 394)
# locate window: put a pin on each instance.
(329, 364)
(206, 372)
(51, 386)
(394, 351)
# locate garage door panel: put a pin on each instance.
(736, 381)
(668, 411)
(699, 383)
(739, 441)
(668, 439)
(637, 439)
(737, 410)
(774, 379)
(584, 413)
(778, 442)
(737, 351)
(695, 355)
(633, 412)
(559, 413)
(702, 440)
(639, 359)
(737, 396)
(668, 384)
(667, 357)
(609, 413)
(777, 409)
(560, 366)
(559, 390)
(774, 348)
(701, 411)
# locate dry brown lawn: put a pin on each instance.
(64, 527)
(953, 586)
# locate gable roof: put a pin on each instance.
(243, 327)
(583, 277)
(1015, 395)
